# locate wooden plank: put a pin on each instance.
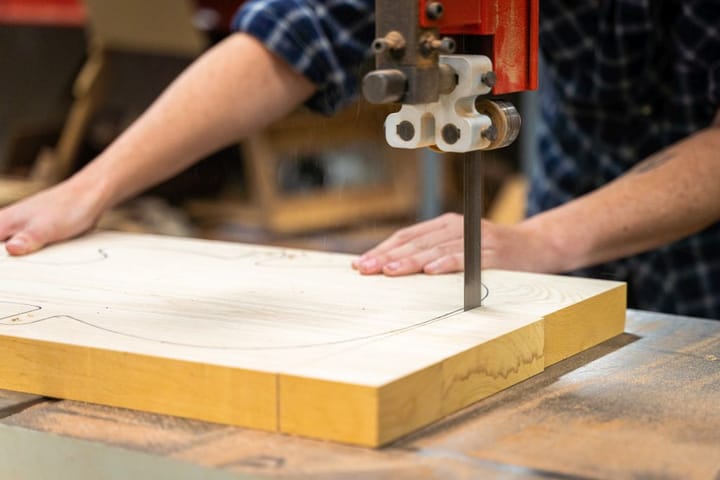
(352, 134)
(603, 316)
(640, 405)
(335, 403)
(321, 209)
(279, 339)
(152, 384)
(162, 27)
(510, 204)
(14, 189)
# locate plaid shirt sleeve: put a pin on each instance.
(325, 40)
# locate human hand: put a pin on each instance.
(433, 246)
(436, 246)
(58, 213)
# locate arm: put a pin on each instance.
(668, 196)
(671, 195)
(233, 90)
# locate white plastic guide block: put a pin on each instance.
(455, 108)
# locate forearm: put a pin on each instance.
(669, 196)
(235, 89)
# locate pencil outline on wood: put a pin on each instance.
(374, 336)
(105, 255)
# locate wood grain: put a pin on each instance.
(152, 384)
(278, 339)
(641, 405)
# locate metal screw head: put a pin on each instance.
(434, 10)
(405, 130)
(489, 79)
(380, 45)
(447, 45)
(490, 133)
(450, 134)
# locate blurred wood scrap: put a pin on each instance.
(358, 127)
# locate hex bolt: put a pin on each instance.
(490, 133)
(393, 41)
(489, 79)
(405, 130)
(434, 10)
(380, 45)
(447, 45)
(451, 134)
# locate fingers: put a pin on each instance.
(436, 247)
(19, 238)
(7, 229)
(375, 263)
(27, 239)
(5, 232)
(442, 258)
(52, 215)
(367, 261)
(24, 242)
(407, 243)
(412, 256)
(409, 233)
(7, 226)
(447, 264)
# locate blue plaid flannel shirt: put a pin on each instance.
(622, 80)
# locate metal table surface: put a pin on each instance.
(645, 404)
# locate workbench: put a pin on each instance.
(642, 405)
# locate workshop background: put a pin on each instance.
(76, 73)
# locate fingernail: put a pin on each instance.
(368, 264)
(359, 260)
(392, 266)
(16, 245)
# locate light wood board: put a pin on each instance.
(282, 340)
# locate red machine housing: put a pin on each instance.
(508, 31)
